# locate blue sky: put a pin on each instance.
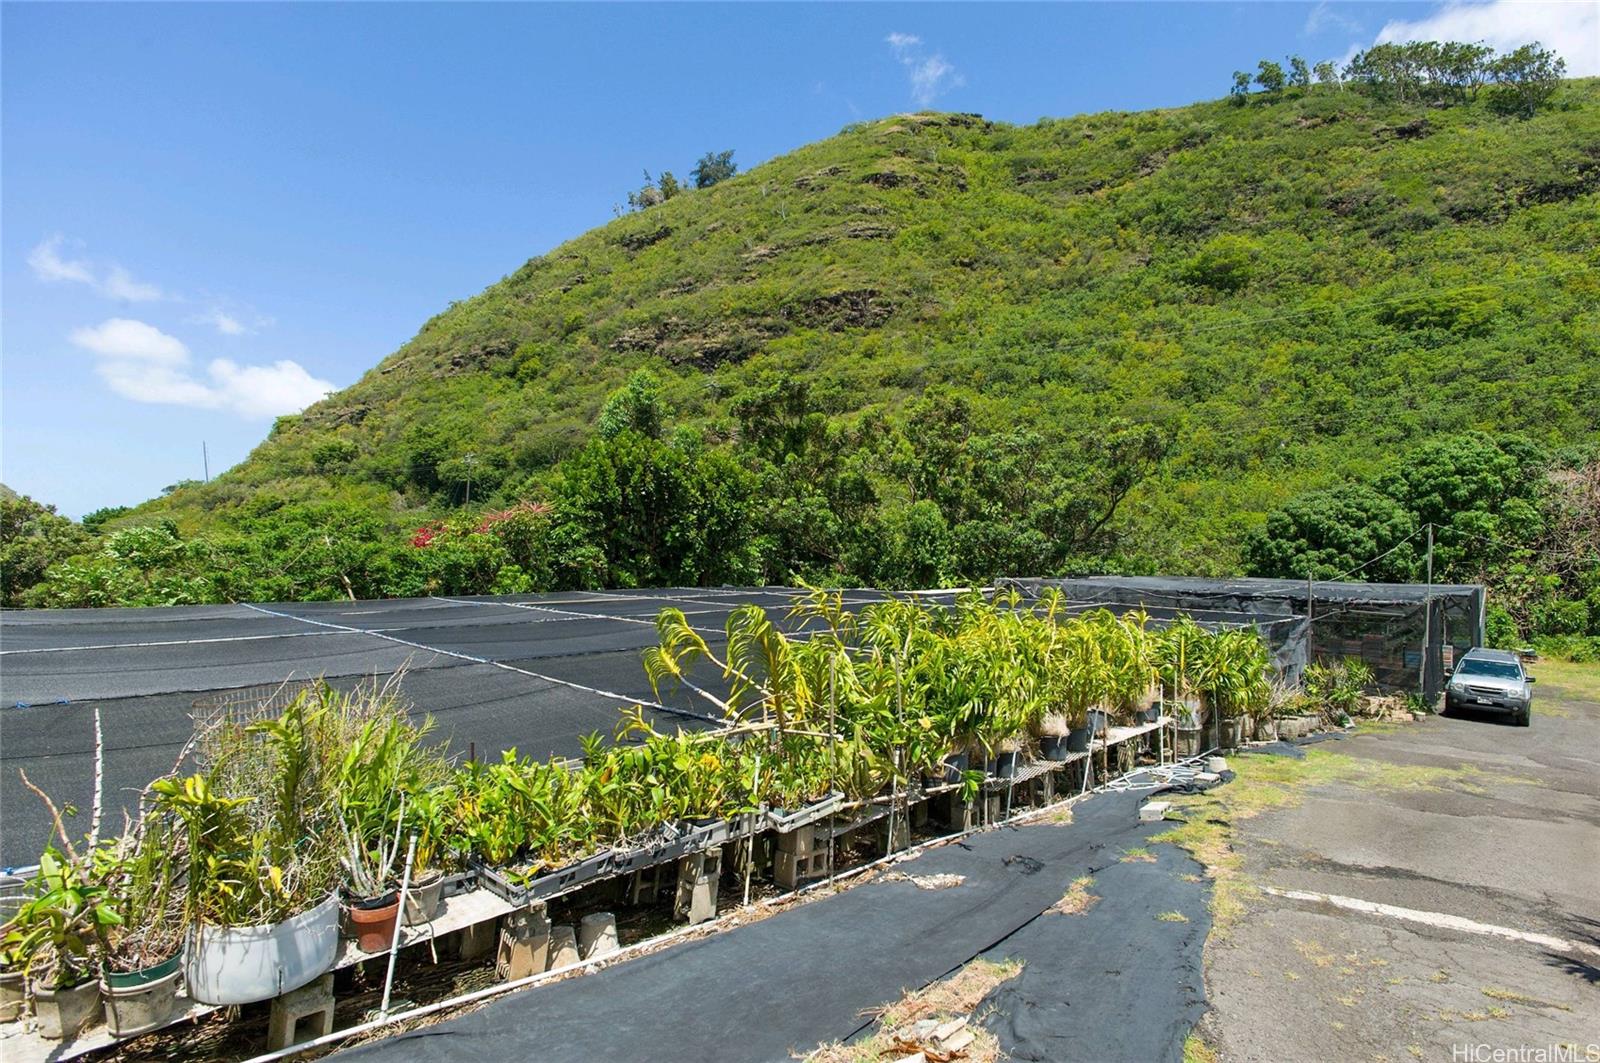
(212, 214)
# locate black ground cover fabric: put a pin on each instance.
(1118, 982)
(769, 989)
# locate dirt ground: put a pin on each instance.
(1484, 841)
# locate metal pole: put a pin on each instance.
(833, 750)
(1427, 622)
(205, 460)
(750, 842)
(399, 924)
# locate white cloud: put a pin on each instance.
(118, 283)
(125, 339)
(113, 281)
(1572, 30)
(142, 363)
(266, 390)
(930, 76)
(48, 265)
(1327, 17)
(224, 323)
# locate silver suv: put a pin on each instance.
(1490, 680)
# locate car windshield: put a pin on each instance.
(1493, 669)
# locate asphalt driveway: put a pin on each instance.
(1444, 897)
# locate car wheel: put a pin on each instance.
(1525, 717)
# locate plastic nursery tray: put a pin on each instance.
(809, 814)
(614, 862)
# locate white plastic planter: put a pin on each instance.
(244, 964)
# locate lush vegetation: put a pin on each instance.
(935, 348)
(1519, 82)
(1497, 510)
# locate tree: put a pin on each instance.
(714, 166)
(655, 191)
(1299, 73)
(95, 521)
(661, 516)
(1328, 74)
(1525, 79)
(32, 538)
(1481, 493)
(634, 407)
(1457, 69)
(1326, 534)
(1269, 76)
(1388, 70)
(1240, 88)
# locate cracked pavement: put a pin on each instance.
(1515, 845)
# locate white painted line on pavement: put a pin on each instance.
(1440, 920)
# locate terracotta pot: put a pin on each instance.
(372, 922)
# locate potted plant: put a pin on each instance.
(1078, 680)
(372, 871)
(1232, 674)
(429, 819)
(1294, 713)
(144, 949)
(260, 841)
(13, 983)
(1053, 732)
(256, 927)
(54, 936)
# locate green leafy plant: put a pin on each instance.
(57, 932)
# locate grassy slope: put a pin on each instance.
(1394, 281)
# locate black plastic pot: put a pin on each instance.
(954, 765)
(1054, 747)
(1078, 740)
(1150, 715)
(1005, 764)
(1097, 721)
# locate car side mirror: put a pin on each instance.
(1530, 679)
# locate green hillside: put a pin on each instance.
(934, 346)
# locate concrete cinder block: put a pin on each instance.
(524, 943)
(563, 947)
(301, 1014)
(477, 940)
(1153, 811)
(597, 935)
(1216, 765)
(698, 874)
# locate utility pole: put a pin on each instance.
(471, 457)
(1310, 630)
(205, 460)
(1427, 621)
